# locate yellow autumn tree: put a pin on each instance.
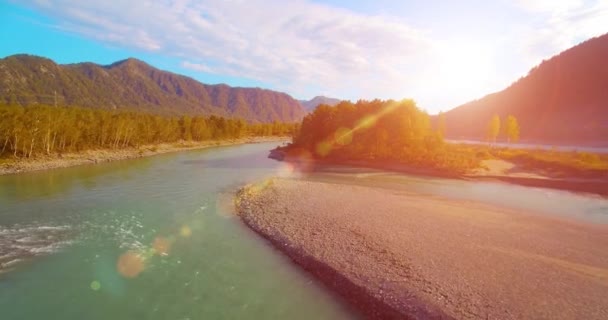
(494, 128)
(512, 129)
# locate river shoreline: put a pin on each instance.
(529, 179)
(400, 255)
(355, 294)
(14, 166)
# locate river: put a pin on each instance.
(154, 238)
(601, 148)
(150, 238)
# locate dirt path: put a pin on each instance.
(396, 255)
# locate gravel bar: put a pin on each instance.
(398, 255)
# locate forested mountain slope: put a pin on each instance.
(562, 100)
(133, 84)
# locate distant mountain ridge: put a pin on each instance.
(134, 84)
(563, 100)
(311, 105)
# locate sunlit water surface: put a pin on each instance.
(155, 238)
(151, 238)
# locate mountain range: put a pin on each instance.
(564, 100)
(133, 84)
(311, 105)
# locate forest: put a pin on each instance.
(380, 131)
(44, 130)
(399, 132)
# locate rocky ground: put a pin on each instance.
(394, 254)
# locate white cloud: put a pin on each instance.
(197, 67)
(291, 45)
(305, 48)
(562, 24)
(550, 5)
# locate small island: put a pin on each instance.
(398, 136)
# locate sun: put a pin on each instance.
(462, 65)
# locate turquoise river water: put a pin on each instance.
(150, 238)
(155, 238)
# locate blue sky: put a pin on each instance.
(440, 53)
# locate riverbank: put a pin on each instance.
(17, 165)
(509, 172)
(395, 254)
(489, 170)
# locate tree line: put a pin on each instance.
(511, 128)
(31, 131)
(381, 131)
(390, 130)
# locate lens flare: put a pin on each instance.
(366, 122)
(130, 264)
(185, 231)
(95, 285)
(301, 161)
(161, 246)
(323, 148)
(343, 136)
(286, 170)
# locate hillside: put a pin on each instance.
(311, 105)
(133, 84)
(564, 100)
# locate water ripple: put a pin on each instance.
(23, 242)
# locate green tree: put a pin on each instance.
(494, 128)
(512, 129)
